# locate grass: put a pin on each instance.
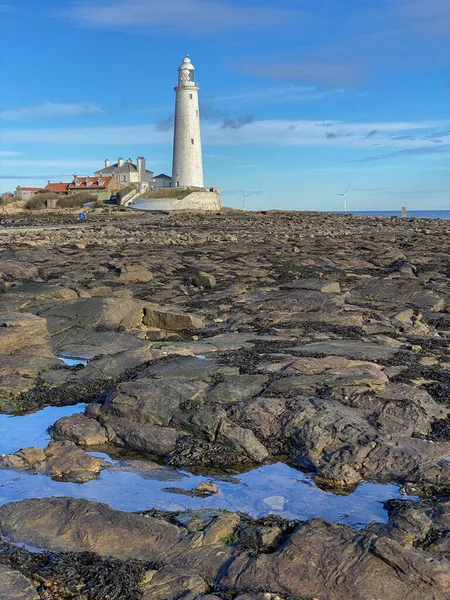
(165, 193)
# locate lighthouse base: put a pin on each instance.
(195, 201)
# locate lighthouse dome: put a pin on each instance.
(186, 65)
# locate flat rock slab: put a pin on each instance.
(24, 333)
(190, 368)
(90, 344)
(14, 586)
(72, 525)
(349, 349)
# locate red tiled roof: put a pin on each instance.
(28, 189)
(57, 187)
(94, 182)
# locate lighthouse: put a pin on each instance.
(187, 165)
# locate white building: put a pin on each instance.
(187, 166)
(127, 172)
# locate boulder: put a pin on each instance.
(155, 316)
(62, 461)
(79, 429)
(24, 333)
(133, 273)
(15, 586)
(16, 270)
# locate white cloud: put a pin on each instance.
(283, 93)
(49, 109)
(268, 133)
(68, 163)
(9, 153)
(191, 17)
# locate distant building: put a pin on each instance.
(162, 181)
(25, 193)
(57, 188)
(103, 186)
(127, 172)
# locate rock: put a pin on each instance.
(15, 270)
(319, 285)
(205, 489)
(190, 368)
(204, 280)
(428, 300)
(235, 389)
(92, 344)
(133, 273)
(161, 318)
(160, 441)
(72, 525)
(170, 582)
(315, 563)
(221, 528)
(348, 348)
(261, 537)
(14, 586)
(403, 317)
(96, 312)
(111, 367)
(79, 429)
(24, 333)
(62, 461)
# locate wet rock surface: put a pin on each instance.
(225, 553)
(225, 340)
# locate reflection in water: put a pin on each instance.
(73, 362)
(31, 430)
(276, 488)
(134, 485)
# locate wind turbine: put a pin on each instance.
(344, 195)
(245, 196)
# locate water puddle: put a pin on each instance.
(72, 361)
(276, 489)
(131, 485)
(27, 430)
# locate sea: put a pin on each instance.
(417, 214)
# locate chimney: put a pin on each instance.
(140, 163)
(129, 161)
(120, 162)
(107, 163)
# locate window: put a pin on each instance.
(124, 177)
(192, 140)
(196, 113)
(190, 96)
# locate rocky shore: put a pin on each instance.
(219, 343)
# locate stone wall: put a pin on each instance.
(195, 201)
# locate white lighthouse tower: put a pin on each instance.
(187, 166)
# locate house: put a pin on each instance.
(25, 193)
(62, 189)
(162, 181)
(101, 186)
(127, 172)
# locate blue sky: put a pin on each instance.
(299, 99)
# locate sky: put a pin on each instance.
(299, 98)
